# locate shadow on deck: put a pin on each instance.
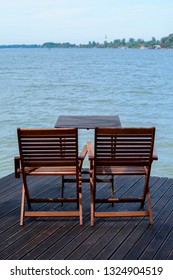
(63, 238)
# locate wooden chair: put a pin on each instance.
(49, 151)
(121, 151)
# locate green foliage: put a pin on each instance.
(57, 45)
(166, 42)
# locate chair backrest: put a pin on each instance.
(124, 146)
(48, 146)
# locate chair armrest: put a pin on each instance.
(155, 154)
(90, 150)
(82, 156)
(17, 168)
(83, 153)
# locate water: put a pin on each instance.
(38, 85)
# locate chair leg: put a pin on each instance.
(62, 189)
(26, 191)
(149, 207)
(80, 209)
(112, 189)
(112, 180)
(92, 204)
(77, 191)
(147, 193)
(22, 206)
(80, 199)
(146, 189)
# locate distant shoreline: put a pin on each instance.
(165, 43)
(77, 47)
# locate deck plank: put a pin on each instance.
(63, 238)
(162, 207)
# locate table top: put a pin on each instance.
(88, 122)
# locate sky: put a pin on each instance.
(81, 21)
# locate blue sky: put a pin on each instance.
(81, 21)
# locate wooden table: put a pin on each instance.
(88, 122)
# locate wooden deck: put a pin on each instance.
(63, 238)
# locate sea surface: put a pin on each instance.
(38, 85)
